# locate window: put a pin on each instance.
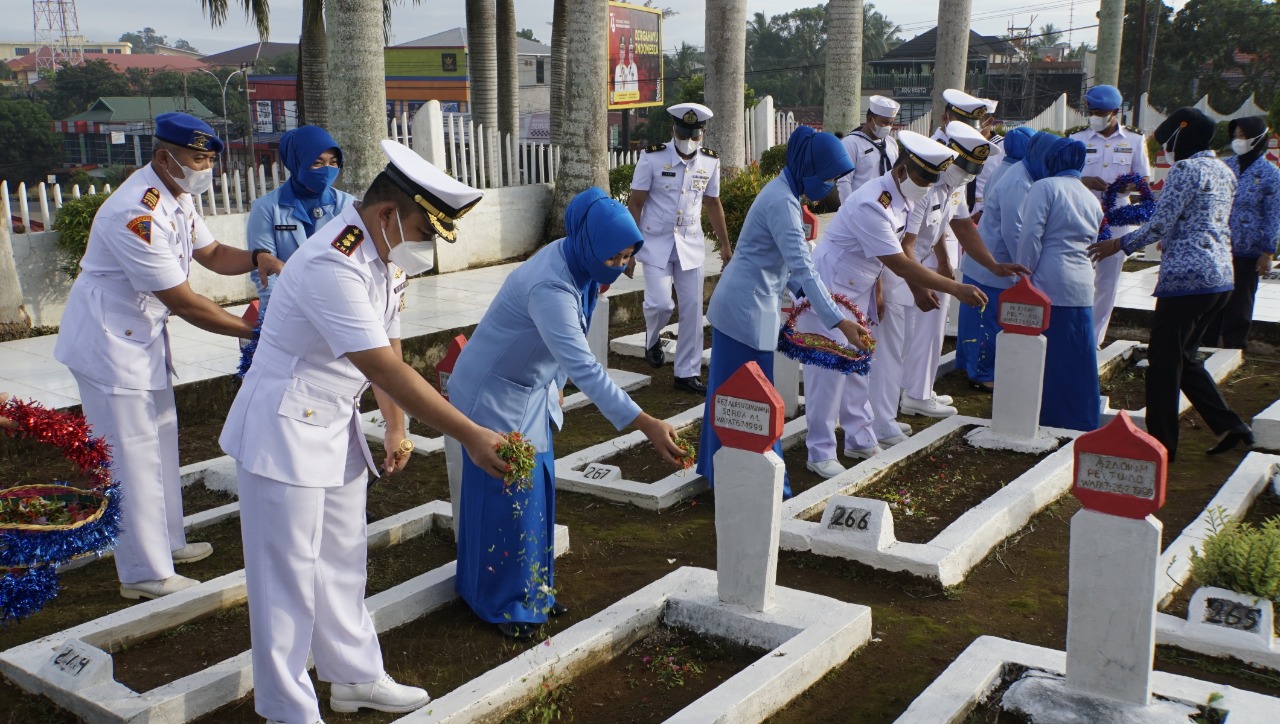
(540, 73)
(22, 51)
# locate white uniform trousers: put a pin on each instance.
(925, 331)
(1106, 278)
(658, 306)
(887, 369)
(830, 397)
(141, 426)
(305, 569)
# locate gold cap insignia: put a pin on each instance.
(690, 117)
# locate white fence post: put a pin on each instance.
(429, 134)
(235, 188)
(75, 193)
(251, 187)
(42, 194)
(5, 208)
(24, 208)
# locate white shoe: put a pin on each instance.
(928, 408)
(943, 399)
(384, 695)
(905, 428)
(192, 552)
(891, 441)
(826, 468)
(156, 589)
(862, 453)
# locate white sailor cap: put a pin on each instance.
(690, 115)
(443, 198)
(971, 147)
(964, 105)
(929, 156)
(882, 106)
(991, 106)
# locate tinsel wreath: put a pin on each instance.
(246, 353)
(44, 526)
(815, 349)
(1131, 214)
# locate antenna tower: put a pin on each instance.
(57, 28)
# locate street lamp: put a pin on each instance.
(225, 121)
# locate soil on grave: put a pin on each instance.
(931, 491)
(1017, 592)
(658, 676)
(640, 464)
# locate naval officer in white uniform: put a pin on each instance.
(673, 183)
(869, 147)
(301, 459)
(115, 340)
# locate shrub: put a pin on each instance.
(72, 224)
(620, 181)
(1240, 557)
(736, 195)
(772, 161)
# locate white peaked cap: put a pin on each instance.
(971, 147)
(442, 197)
(694, 115)
(931, 156)
(964, 104)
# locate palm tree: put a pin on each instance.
(726, 33)
(482, 61)
(313, 66)
(1049, 36)
(508, 72)
(559, 59)
(879, 33)
(844, 65)
(583, 163)
(357, 112)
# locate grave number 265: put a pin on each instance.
(850, 518)
(1232, 615)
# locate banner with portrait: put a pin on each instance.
(635, 56)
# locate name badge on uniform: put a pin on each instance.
(1090, 149)
(1124, 149)
(869, 150)
(669, 173)
(401, 287)
(286, 227)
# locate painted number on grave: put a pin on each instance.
(1116, 475)
(846, 518)
(742, 415)
(1231, 614)
(444, 383)
(71, 661)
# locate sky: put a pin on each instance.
(104, 20)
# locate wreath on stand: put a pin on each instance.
(1130, 214)
(815, 349)
(43, 526)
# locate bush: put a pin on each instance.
(72, 224)
(1240, 557)
(620, 181)
(736, 195)
(772, 161)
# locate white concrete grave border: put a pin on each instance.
(981, 668)
(103, 699)
(1266, 428)
(632, 345)
(1220, 364)
(807, 635)
(571, 470)
(950, 556)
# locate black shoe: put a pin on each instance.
(517, 631)
(690, 384)
(981, 387)
(558, 609)
(655, 356)
(1239, 434)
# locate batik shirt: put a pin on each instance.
(1255, 215)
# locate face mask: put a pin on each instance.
(911, 191)
(1171, 141)
(955, 177)
(192, 181)
(882, 131)
(1099, 123)
(318, 180)
(687, 146)
(415, 257)
(816, 190)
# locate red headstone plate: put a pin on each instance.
(445, 367)
(810, 223)
(747, 411)
(1024, 309)
(1120, 470)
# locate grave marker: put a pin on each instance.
(452, 448)
(78, 666)
(598, 331)
(863, 522)
(1020, 355)
(602, 473)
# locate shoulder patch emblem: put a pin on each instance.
(709, 152)
(141, 227)
(151, 198)
(885, 199)
(348, 240)
(656, 147)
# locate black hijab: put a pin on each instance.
(1189, 131)
(1252, 127)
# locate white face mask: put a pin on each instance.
(415, 257)
(955, 177)
(687, 146)
(1099, 123)
(1241, 146)
(192, 181)
(881, 131)
(911, 191)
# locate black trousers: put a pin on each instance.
(1230, 327)
(1176, 330)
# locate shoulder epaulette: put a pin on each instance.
(710, 152)
(151, 198)
(348, 240)
(1131, 129)
(885, 199)
(656, 147)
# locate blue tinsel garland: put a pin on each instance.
(1130, 215)
(246, 353)
(845, 365)
(18, 549)
(26, 592)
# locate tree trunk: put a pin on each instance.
(840, 107)
(508, 70)
(726, 32)
(358, 105)
(584, 162)
(482, 76)
(313, 66)
(952, 58)
(558, 62)
(1110, 33)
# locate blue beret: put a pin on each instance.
(183, 129)
(1103, 98)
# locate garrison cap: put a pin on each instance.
(184, 129)
(443, 198)
(964, 105)
(1103, 98)
(971, 147)
(882, 106)
(929, 156)
(690, 115)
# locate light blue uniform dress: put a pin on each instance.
(507, 379)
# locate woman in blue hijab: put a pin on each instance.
(771, 254)
(1060, 219)
(508, 378)
(280, 221)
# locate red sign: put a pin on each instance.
(445, 367)
(1024, 309)
(747, 413)
(1120, 470)
(635, 56)
(810, 223)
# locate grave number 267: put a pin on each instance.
(850, 518)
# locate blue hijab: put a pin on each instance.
(1065, 158)
(1033, 159)
(812, 158)
(596, 228)
(1016, 142)
(308, 188)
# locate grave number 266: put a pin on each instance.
(850, 518)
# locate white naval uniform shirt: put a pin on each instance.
(870, 225)
(113, 330)
(296, 416)
(1110, 157)
(868, 163)
(672, 213)
(994, 160)
(930, 221)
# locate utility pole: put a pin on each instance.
(951, 59)
(1136, 103)
(1110, 34)
(249, 114)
